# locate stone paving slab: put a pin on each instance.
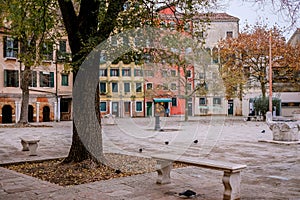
(272, 173)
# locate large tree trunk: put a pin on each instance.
(82, 29)
(25, 78)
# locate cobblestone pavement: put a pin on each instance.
(272, 173)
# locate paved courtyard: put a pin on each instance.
(272, 173)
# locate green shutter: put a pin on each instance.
(51, 79)
(5, 78)
(4, 46)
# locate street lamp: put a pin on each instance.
(270, 72)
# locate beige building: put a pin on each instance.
(50, 93)
(213, 102)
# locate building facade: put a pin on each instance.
(50, 96)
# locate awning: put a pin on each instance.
(157, 100)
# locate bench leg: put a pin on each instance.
(24, 145)
(32, 148)
(232, 184)
(164, 168)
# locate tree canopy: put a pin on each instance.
(246, 59)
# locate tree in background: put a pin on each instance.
(31, 23)
(245, 59)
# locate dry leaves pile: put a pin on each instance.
(85, 172)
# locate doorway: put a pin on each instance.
(230, 107)
(46, 114)
(190, 109)
(115, 108)
(6, 114)
(30, 113)
(149, 109)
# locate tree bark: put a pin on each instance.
(81, 29)
(25, 78)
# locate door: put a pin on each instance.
(190, 109)
(127, 109)
(115, 108)
(149, 109)
(6, 114)
(46, 114)
(230, 107)
(30, 113)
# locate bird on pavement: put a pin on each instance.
(263, 131)
(187, 193)
(118, 171)
(140, 150)
(166, 142)
(195, 141)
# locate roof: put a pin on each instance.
(217, 17)
(294, 36)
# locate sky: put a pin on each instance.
(251, 13)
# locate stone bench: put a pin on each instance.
(30, 145)
(231, 178)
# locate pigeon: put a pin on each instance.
(166, 142)
(140, 150)
(263, 131)
(187, 193)
(195, 141)
(118, 171)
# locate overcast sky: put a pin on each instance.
(251, 13)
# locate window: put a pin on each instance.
(149, 86)
(114, 41)
(189, 86)
(229, 34)
(201, 76)
(103, 72)
(173, 86)
(102, 87)
(138, 87)
(138, 106)
(62, 51)
(188, 73)
(138, 72)
(47, 51)
(164, 73)
(64, 79)
(114, 72)
(10, 47)
(216, 101)
(33, 79)
(11, 78)
(215, 55)
(126, 87)
(173, 73)
(102, 57)
(103, 106)
(149, 73)
(114, 87)
(126, 72)
(202, 101)
(165, 86)
(174, 101)
(46, 79)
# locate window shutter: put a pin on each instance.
(5, 78)
(4, 46)
(16, 47)
(51, 79)
(16, 74)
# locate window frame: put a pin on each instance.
(113, 88)
(141, 106)
(12, 79)
(64, 79)
(101, 103)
